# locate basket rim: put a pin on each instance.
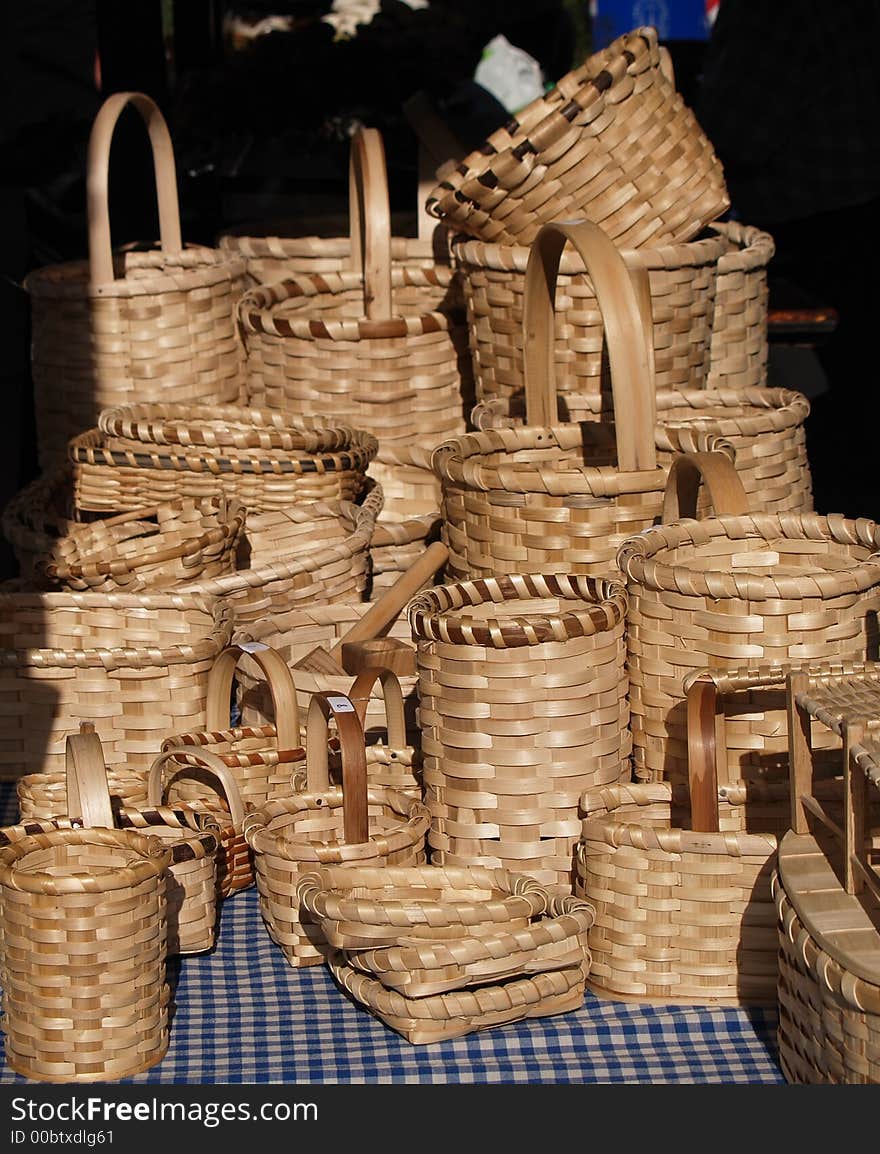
(154, 859)
(194, 267)
(432, 615)
(635, 557)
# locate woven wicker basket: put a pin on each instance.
(192, 836)
(523, 706)
(346, 342)
(351, 824)
(134, 664)
(743, 590)
(560, 498)
(682, 293)
(82, 954)
(612, 142)
(156, 325)
(740, 347)
(166, 545)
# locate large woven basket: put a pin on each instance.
(740, 347)
(741, 590)
(560, 498)
(347, 343)
(353, 823)
(83, 938)
(146, 326)
(682, 281)
(136, 665)
(522, 706)
(613, 142)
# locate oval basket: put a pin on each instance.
(612, 142)
(155, 325)
(351, 824)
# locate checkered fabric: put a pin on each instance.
(242, 1015)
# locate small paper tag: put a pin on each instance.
(252, 646)
(340, 704)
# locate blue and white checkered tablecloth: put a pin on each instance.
(243, 1015)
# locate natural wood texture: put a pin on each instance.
(325, 825)
(522, 704)
(739, 348)
(148, 326)
(382, 652)
(612, 142)
(82, 930)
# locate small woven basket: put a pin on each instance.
(523, 706)
(740, 348)
(612, 142)
(354, 824)
(166, 545)
(551, 497)
(83, 939)
(351, 343)
(135, 664)
(155, 325)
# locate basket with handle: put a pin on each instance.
(437, 930)
(612, 141)
(352, 342)
(354, 823)
(166, 545)
(523, 706)
(740, 348)
(549, 497)
(732, 590)
(192, 835)
(136, 664)
(156, 325)
(83, 947)
(681, 279)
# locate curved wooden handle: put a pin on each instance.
(281, 687)
(714, 470)
(702, 720)
(627, 337)
(207, 760)
(370, 220)
(88, 795)
(355, 821)
(392, 696)
(98, 164)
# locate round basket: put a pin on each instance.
(155, 325)
(560, 498)
(84, 933)
(681, 281)
(159, 547)
(350, 343)
(351, 824)
(612, 142)
(523, 706)
(739, 350)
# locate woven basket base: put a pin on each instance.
(37, 1075)
(758, 1000)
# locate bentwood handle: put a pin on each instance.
(370, 220)
(98, 166)
(716, 472)
(322, 707)
(281, 687)
(88, 795)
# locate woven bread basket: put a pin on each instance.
(151, 326)
(560, 498)
(613, 142)
(347, 342)
(175, 543)
(135, 664)
(83, 939)
(740, 347)
(682, 280)
(353, 823)
(523, 706)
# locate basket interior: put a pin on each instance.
(761, 557)
(78, 860)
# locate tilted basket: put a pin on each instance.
(354, 823)
(83, 940)
(523, 706)
(153, 326)
(613, 142)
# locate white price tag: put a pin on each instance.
(252, 646)
(340, 704)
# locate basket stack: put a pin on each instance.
(147, 326)
(438, 953)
